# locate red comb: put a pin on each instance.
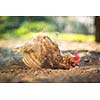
(75, 60)
(76, 55)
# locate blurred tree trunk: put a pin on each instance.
(97, 28)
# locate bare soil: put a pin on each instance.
(12, 69)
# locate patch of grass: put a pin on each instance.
(60, 36)
(65, 36)
(76, 37)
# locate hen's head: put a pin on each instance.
(75, 60)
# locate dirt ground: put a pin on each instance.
(12, 69)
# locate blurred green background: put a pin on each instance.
(69, 28)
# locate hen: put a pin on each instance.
(44, 53)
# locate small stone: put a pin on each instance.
(86, 60)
